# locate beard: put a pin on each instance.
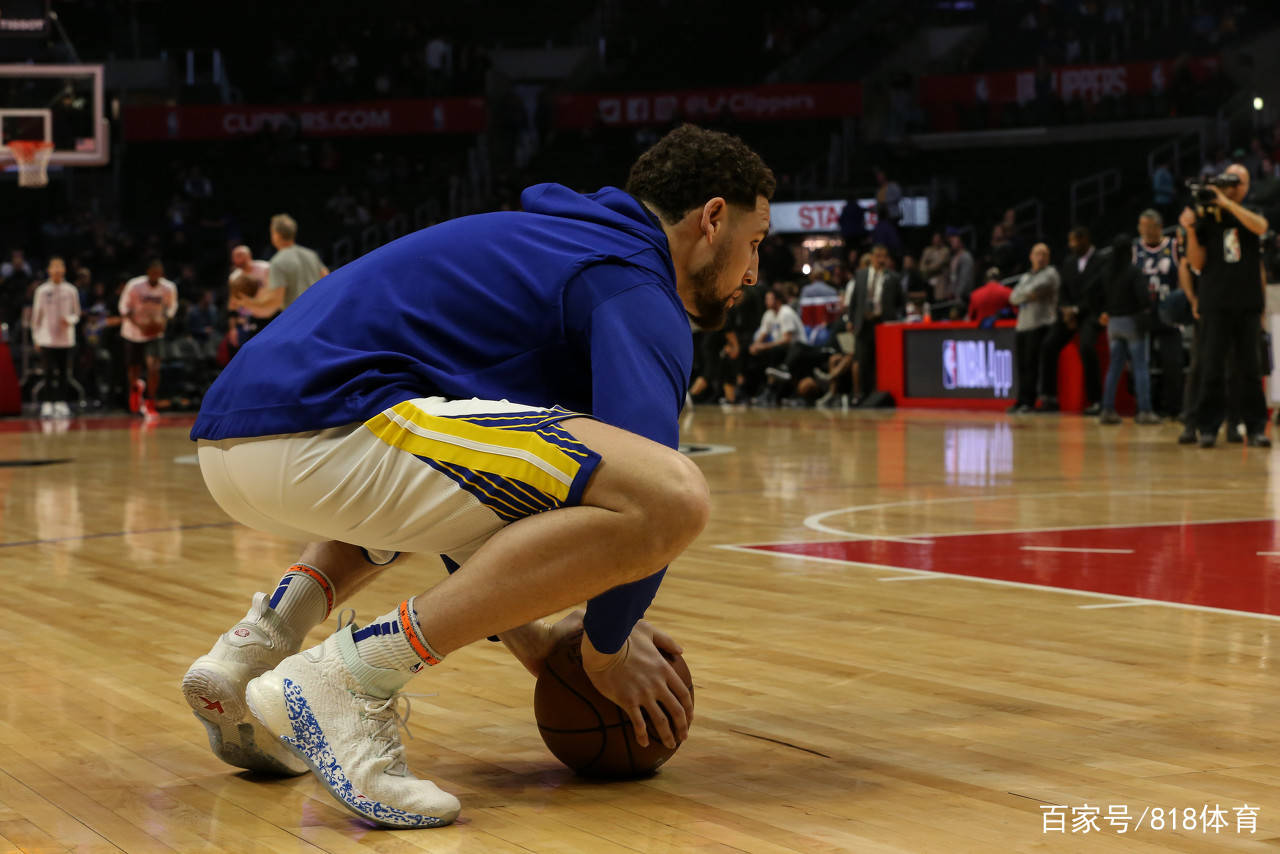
(709, 308)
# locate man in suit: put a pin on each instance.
(874, 295)
(1078, 312)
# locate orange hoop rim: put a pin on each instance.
(27, 150)
(32, 157)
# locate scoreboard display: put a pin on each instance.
(24, 18)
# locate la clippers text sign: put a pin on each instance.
(757, 103)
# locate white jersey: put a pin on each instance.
(55, 311)
(157, 304)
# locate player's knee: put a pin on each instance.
(682, 509)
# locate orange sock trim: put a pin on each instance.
(319, 578)
(409, 626)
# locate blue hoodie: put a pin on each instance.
(571, 302)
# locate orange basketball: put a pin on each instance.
(244, 286)
(150, 320)
(584, 729)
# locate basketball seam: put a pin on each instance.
(602, 729)
(585, 729)
(622, 722)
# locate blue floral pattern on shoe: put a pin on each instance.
(309, 741)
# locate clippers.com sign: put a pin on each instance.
(371, 118)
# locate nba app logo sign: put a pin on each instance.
(950, 377)
(977, 364)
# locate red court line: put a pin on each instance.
(1214, 565)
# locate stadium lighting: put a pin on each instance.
(1257, 103)
(805, 269)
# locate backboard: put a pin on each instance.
(62, 104)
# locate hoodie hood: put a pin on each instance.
(609, 207)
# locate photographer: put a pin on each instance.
(1224, 244)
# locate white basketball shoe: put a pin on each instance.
(350, 738)
(214, 688)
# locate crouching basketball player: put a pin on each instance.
(502, 390)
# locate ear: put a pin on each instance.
(715, 217)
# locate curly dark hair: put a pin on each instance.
(691, 165)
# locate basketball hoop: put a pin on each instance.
(32, 156)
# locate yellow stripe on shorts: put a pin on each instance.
(516, 455)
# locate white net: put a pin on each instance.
(33, 161)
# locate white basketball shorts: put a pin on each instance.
(426, 475)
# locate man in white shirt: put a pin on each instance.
(147, 304)
(55, 311)
(779, 328)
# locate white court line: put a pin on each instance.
(928, 539)
(815, 522)
(1024, 585)
(1077, 551)
(1113, 605)
(927, 577)
(1268, 554)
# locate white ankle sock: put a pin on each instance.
(394, 641)
(303, 598)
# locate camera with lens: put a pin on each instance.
(1201, 188)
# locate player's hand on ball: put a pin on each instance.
(533, 642)
(640, 680)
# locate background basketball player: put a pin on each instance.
(54, 315)
(147, 304)
(252, 301)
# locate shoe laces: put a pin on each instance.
(346, 617)
(390, 714)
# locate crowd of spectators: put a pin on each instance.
(1086, 31)
(331, 53)
(646, 52)
(1124, 295)
(380, 57)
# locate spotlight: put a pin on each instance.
(805, 269)
(1257, 104)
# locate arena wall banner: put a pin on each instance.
(368, 118)
(824, 216)
(758, 103)
(1072, 82)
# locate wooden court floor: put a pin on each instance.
(908, 684)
